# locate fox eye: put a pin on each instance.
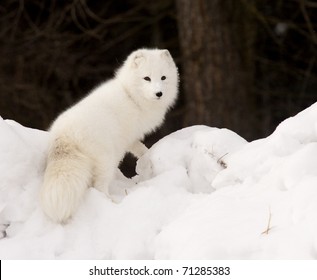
(163, 78)
(147, 79)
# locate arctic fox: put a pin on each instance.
(88, 141)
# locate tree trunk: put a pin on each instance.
(217, 69)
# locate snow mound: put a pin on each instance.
(200, 193)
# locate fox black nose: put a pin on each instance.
(159, 94)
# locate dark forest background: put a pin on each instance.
(244, 64)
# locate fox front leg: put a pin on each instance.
(138, 149)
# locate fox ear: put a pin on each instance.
(137, 59)
(166, 53)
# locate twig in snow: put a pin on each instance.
(268, 228)
(221, 162)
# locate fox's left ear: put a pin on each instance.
(166, 54)
(137, 59)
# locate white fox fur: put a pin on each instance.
(88, 141)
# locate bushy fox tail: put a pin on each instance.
(67, 176)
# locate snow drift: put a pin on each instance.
(200, 193)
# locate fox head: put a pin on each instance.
(150, 75)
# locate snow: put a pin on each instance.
(200, 193)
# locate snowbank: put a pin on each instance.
(201, 193)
